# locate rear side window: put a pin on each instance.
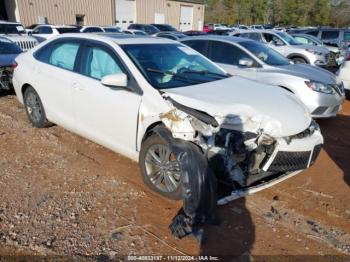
(45, 30)
(226, 54)
(64, 54)
(93, 30)
(100, 63)
(199, 45)
(329, 35)
(255, 36)
(303, 40)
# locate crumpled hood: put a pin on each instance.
(7, 60)
(320, 49)
(306, 71)
(247, 105)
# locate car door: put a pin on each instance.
(106, 115)
(53, 76)
(228, 57)
(43, 31)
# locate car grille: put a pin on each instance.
(315, 154)
(290, 161)
(26, 45)
(326, 58)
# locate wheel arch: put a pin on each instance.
(297, 55)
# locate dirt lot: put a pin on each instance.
(63, 195)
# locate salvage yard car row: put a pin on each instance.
(242, 124)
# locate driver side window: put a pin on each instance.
(226, 53)
(99, 63)
(272, 39)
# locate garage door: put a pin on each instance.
(186, 18)
(125, 13)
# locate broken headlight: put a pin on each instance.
(266, 140)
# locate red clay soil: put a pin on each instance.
(61, 195)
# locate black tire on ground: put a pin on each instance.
(152, 141)
(299, 60)
(34, 108)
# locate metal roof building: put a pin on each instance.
(184, 15)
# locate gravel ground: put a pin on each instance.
(62, 195)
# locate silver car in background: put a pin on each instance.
(289, 47)
(316, 87)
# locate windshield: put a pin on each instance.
(9, 48)
(172, 65)
(12, 29)
(264, 53)
(314, 39)
(288, 38)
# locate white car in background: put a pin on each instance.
(143, 97)
(289, 47)
(92, 29)
(344, 73)
(44, 32)
(316, 87)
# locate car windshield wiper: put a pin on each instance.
(180, 77)
(204, 72)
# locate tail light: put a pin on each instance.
(14, 65)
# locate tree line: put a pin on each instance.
(279, 12)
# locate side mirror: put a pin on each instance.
(116, 80)
(246, 62)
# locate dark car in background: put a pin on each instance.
(331, 36)
(165, 27)
(149, 29)
(8, 52)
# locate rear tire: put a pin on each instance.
(34, 108)
(159, 168)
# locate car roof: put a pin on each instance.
(120, 39)
(8, 22)
(232, 39)
(259, 31)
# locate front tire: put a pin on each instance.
(34, 108)
(159, 168)
(299, 60)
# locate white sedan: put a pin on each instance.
(344, 73)
(145, 96)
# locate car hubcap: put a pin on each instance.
(33, 107)
(162, 168)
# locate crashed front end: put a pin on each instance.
(243, 153)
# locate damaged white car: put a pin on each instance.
(161, 103)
